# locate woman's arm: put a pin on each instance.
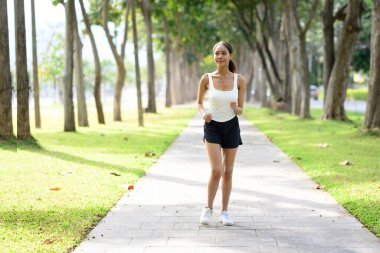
(202, 88)
(238, 108)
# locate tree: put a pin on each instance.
(36, 88)
(147, 13)
(23, 125)
(98, 70)
(338, 81)
(137, 65)
(119, 58)
(244, 13)
(168, 99)
(328, 39)
(299, 70)
(6, 126)
(69, 124)
(78, 67)
(372, 115)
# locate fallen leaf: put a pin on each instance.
(115, 174)
(149, 154)
(345, 162)
(319, 187)
(276, 161)
(131, 187)
(47, 241)
(55, 189)
(323, 145)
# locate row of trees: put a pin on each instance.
(271, 38)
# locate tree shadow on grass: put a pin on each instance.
(77, 159)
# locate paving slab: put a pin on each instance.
(274, 203)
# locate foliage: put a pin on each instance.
(362, 52)
(358, 94)
(356, 186)
(55, 190)
(52, 64)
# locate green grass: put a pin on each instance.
(356, 187)
(80, 164)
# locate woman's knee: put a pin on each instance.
(216, 173)
(228, 173)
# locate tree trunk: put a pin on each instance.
(23, 125)
(78, 67)
(372, 115)
(328, 39)
(294, 57)
(137, 66)
(118, 58)
(305, 90)
(98, 70)
(69, 124)
(36, 88)
(168, 100)
(146, 4)
(6, 126)
(337, 85)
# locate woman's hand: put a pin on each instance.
(207, 117)
(234, 106)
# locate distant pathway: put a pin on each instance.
(274, 205)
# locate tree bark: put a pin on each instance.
(294, 57)
(168, 100)
(98, 70)
(137, 66)
(337, 85)
(36, 88)
(146, 8)
(23, 125)
(372, 115)
(328, 39)
(69, 124)
(118, 58)
(6, 126)
(78, 68)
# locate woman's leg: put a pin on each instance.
(215, 157)
(229, 155)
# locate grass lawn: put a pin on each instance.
(53, 191)
(357, 186)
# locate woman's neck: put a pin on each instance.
(222, 71)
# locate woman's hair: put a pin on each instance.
(231, 65)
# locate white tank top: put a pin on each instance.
(219, 101)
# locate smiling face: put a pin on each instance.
(221, 55)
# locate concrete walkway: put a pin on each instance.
(273, 202)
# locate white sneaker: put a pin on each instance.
(206, 215)
(225, 218)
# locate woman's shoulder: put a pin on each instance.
(241, 78)
(204, 78)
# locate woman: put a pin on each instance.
(221, 129)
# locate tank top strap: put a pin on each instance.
(235, 81)
(210, 82)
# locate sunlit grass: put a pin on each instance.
(35, 218)
(356, 187)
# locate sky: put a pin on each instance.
(51, 19)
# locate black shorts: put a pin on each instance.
(227, 134)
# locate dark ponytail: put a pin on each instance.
(231, 65)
